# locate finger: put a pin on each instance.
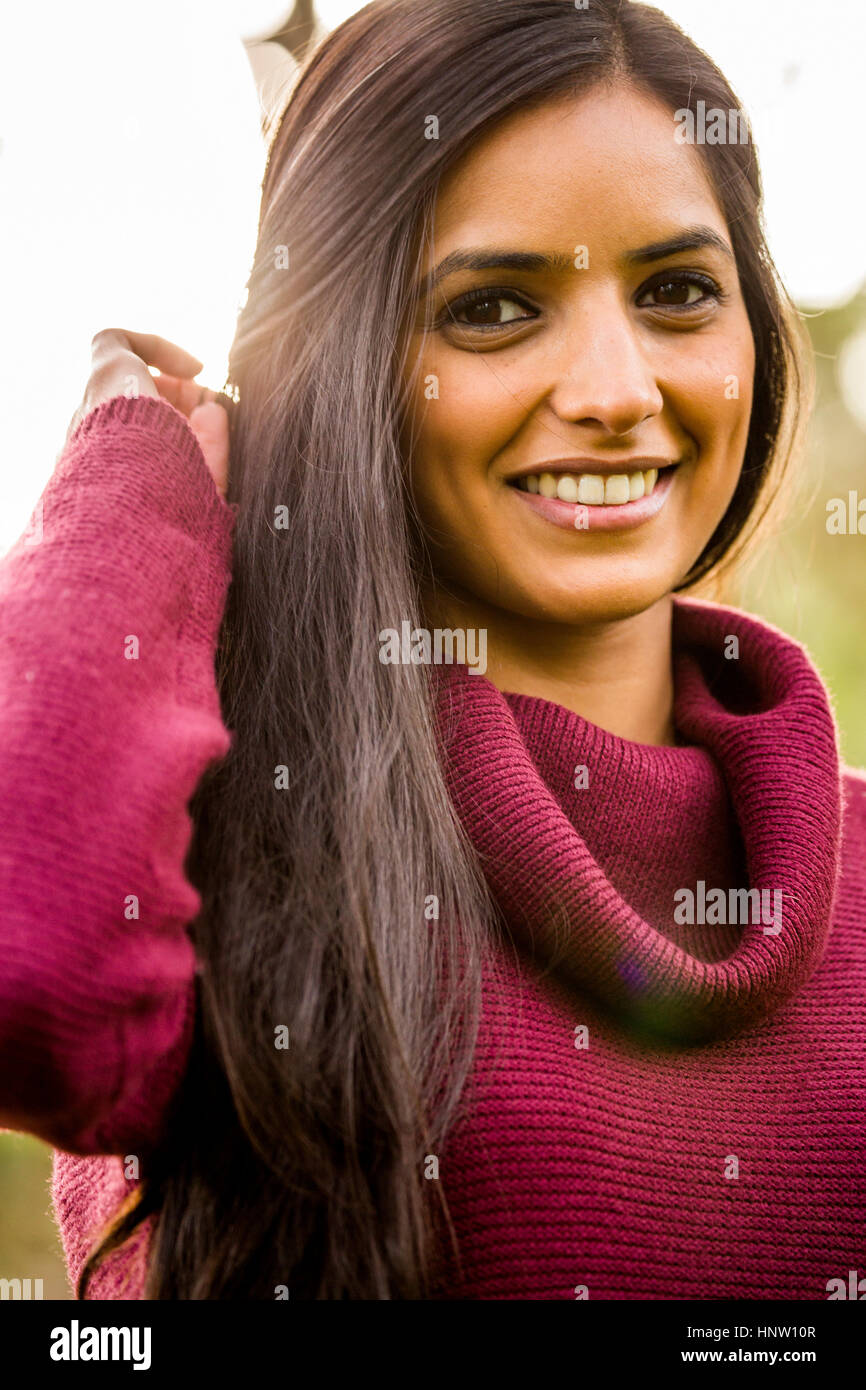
(169, 388)
(184, 395)
(210, 425)
(120, 372)
(155, 351)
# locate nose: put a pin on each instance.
(606, 380)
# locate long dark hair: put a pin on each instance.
(302, 1166)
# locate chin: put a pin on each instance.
(602, 600)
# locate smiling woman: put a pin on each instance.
(591, 391)
(416, 1011)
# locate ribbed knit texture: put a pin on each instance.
(100, 755)
(704, 1139)
(707, 1138)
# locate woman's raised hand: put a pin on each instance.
(120, 362)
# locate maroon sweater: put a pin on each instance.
(669, 1093)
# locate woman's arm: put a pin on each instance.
(109, 714)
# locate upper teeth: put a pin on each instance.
(592, 489)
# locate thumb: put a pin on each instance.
(210, 425)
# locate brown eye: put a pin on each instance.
(673, 292)
(487, 310)
(685, 291)
(484, 311)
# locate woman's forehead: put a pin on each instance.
(604, 166)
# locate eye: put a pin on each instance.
(685, 289)
(487, 308)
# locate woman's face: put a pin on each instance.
(591, 366)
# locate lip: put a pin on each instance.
(576, 516)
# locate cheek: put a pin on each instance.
(712, 401)
(464, 413)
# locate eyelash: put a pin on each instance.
(493, 292)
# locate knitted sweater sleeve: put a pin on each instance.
(110, 606)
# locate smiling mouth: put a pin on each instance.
(590, 489)
(597, 502)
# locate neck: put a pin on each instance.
(616, 674)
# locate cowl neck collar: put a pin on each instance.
(585, 875)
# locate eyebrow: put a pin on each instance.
(483, 258)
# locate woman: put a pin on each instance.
(534, 971)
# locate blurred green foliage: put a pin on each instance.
(809, 583)
(29, 1242)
